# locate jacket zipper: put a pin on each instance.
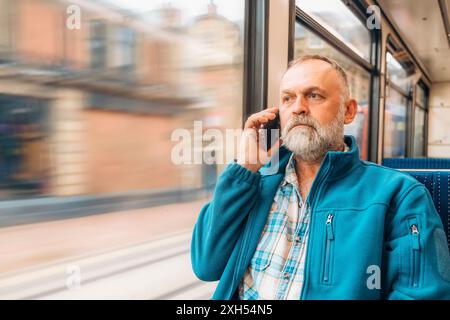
(311, 205)
(329, 238)
(416, 254)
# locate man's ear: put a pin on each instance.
(351, 108)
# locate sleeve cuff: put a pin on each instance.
(239, 172)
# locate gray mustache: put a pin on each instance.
(301, 121)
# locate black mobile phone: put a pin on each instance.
(270, 133)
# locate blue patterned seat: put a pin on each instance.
(417, 163)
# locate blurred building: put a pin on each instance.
(217, 77)
(91, 110)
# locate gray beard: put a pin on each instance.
(312, 144)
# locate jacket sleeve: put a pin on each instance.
(416, 252)
(220, 221)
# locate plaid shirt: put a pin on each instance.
(276, 270)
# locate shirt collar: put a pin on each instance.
(346, 148)
(290, 176)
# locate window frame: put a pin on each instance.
(425, 109)
(392, 44)
(256, 36)
(408, 95)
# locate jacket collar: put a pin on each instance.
(340, 162)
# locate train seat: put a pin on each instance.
(417, 163)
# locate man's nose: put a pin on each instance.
(301, 106)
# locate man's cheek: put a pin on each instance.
(284, 119)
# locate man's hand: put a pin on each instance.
(252, 154)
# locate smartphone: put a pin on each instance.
(270, 133)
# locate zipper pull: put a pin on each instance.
(329, 226)
(415, 233)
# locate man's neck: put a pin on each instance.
(307, 171)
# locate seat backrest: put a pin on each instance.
(417, 163)
(438, 183)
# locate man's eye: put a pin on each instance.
(314, 95)
(286, 98)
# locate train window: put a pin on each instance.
(395, 124)
(88, 130)
(397, 74)
(398, 102)
(419, 132)
(341, 22)
(307, 42)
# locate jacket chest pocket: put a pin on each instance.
(348, 242)
(328, 249)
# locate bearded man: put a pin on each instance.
(324, 225)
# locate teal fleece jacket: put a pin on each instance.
(386, 240)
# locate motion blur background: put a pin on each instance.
(91, 205)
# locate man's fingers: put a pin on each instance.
(262, 117)
(253, 122)
(270, 116)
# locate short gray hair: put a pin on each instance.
(345, 87)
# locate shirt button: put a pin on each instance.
(298, 239)
(286, 276)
